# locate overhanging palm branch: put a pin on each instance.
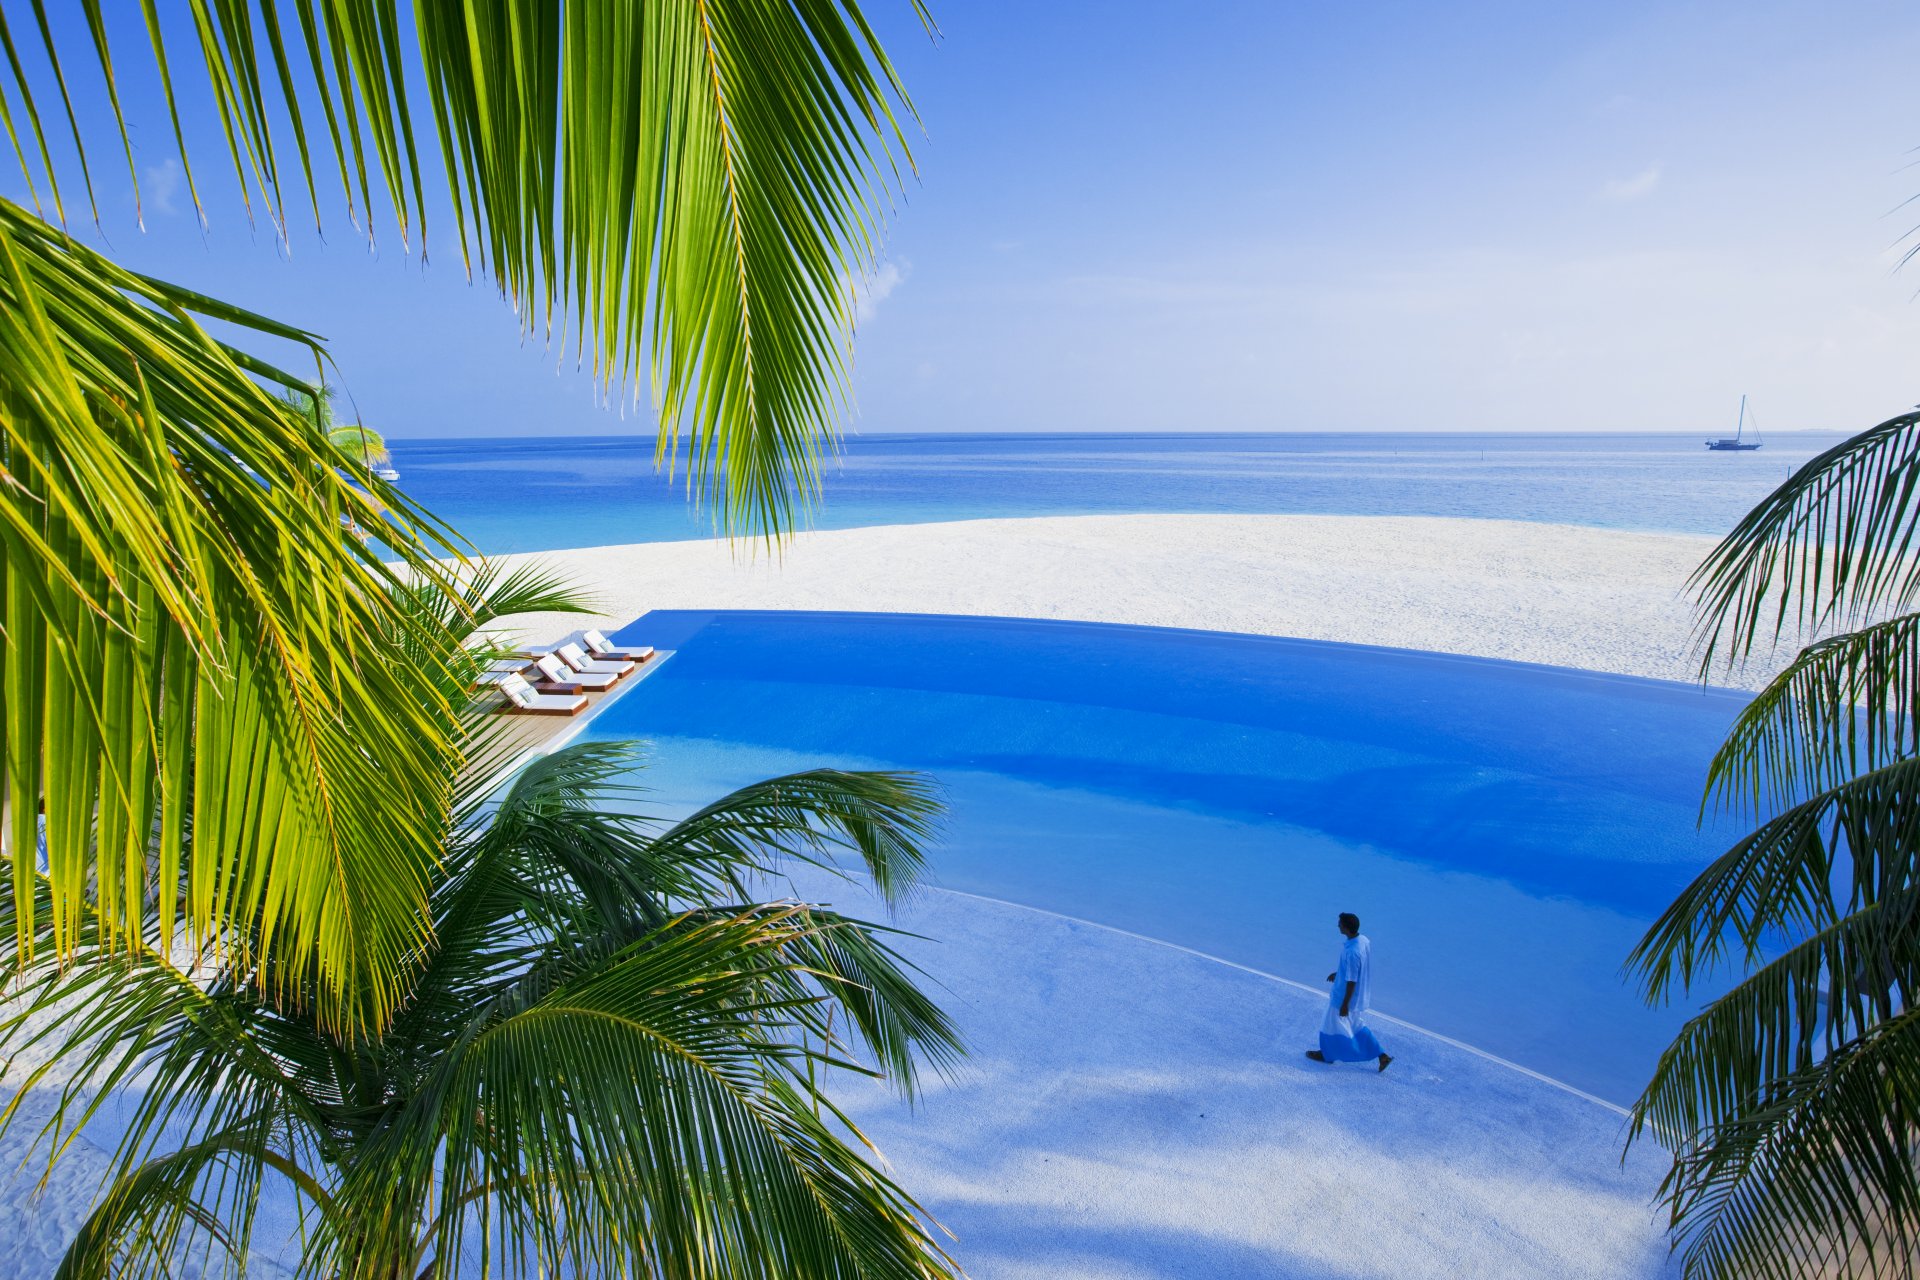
(187, 631)
(1790, 1102)
(1843, 705)
(363, 444)
(1787, 1016)
(316, 406)
(599, 1062)
(1833, 545)
(685, 185)
(456, 606)
(1815, 1178)
(690, 186)
(1797, 873)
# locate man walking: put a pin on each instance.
(1344, 1034)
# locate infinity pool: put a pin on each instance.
(1505, 832)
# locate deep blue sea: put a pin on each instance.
(526, 494)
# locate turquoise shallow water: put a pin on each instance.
(1506, 832)
(540, 494)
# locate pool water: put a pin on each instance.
(1506, 832)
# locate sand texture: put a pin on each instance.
(1596, 598)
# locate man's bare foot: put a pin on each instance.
(1316, 1055)
(1386, 1060)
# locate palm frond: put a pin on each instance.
(216, 1090)
(189, 633)
(1812, 999)
(360, 443)
(567, 856)
(1792, 1102)
(1854, 843)
(575, 1075)
(1814, 1179)
(883, 818)
(851, 964)
(185, 1202)
(655, 1118)
(1846, 705)
(465, 600)
(1831, 546)
(689, 186)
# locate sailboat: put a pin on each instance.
(1739, 438)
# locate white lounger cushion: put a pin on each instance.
(522, 695)
(601, 645)
(560, 673)
(576, 657)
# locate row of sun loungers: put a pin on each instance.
(555, 682)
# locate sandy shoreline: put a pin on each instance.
(1602, 599)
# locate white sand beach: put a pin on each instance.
(1601, 599)
(1134, 1110)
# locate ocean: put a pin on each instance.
(541, 494)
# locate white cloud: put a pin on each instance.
(1641, 184)
(159, 184)
(875, 289)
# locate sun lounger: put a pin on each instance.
(576, 657)
(606, 650)
(522, 699)
(498, 671)
(560, 673)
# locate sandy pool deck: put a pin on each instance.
(1134, 1110)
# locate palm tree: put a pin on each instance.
(1792, 1102)
(684, 185)
(360, 442)
(315, 405)
(607, 1053)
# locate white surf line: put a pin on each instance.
(1494, 1058)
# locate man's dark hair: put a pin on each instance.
(1349, 923)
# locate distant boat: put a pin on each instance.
(389, 474)
(1739, 438)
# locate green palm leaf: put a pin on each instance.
(189, 633)
(656, 1108)
(1844, 705)
(882, 818)
(689, 186)
(158, 1205)
(1795, 875)
(362, 444)
(1790, 1102)
(1831, 546)
(1813, 998)
(1817, 1179)
(599, 1061)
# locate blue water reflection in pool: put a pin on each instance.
(1506, 832)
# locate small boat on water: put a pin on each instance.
(389, 474)
(1738, 440)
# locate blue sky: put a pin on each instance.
(1272, 216)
